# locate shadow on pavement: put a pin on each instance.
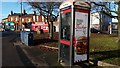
(25, 60)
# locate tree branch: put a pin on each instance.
(105, 7)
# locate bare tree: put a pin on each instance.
(50, 10)
(103, 7)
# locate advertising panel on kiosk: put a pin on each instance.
(74, 32)
(81, 34)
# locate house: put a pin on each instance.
(20, 19)
(33, 18)
(106, 19)
(113, 29)
(101, 21)
(14, 17)
(95, 21)
(4, 20)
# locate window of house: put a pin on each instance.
(22, 20)
(11, 19)
(42, 19)
(16, 19)
(37, 18)
(29, 20)
(33, 18)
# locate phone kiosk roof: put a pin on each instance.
(74, 2)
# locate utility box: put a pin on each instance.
(74, 32)
(27, 38)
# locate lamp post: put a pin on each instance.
(21, 17)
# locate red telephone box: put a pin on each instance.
(74, 32)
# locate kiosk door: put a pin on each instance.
(65, 34)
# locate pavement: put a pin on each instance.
(17, 54)
(0, 49)
(13, 56)
(39, 56)
(9, 53)
(45, 56)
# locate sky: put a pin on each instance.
(7, 7)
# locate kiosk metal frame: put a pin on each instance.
(74, 19)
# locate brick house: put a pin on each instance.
(4, 20)
(19, 18)
(14, 17)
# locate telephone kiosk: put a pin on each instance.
(74, 32)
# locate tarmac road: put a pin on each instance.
(13, 56)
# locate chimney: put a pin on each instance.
(40, 13)
(24, 12)
(35, 16)
(11, 12)
(34, 12)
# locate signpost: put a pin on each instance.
(74, 32)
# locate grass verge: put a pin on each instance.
(105, 48)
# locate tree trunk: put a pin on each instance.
(51, 30)
(48, 23)
(119, 22)
(100, 23)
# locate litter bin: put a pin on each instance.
(28, 38)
